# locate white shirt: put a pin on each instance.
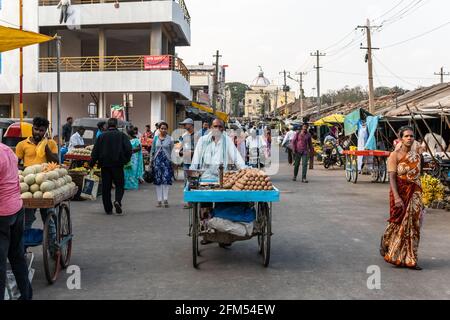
(255, 142)
(208, 155)
(76, 140)
(63, 3)
(288, 138)
(432, 143)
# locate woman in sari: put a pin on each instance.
(400, 242)
(134, 170)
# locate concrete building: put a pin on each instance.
(264, 97)
(202, 78)
(109, 48)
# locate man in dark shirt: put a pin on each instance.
(302, 147)
(112, 151)
(67, 130)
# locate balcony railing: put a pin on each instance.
(109, 63)
(74, 2)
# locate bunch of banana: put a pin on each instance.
(432, 189)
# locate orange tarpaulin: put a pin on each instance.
(11, 38)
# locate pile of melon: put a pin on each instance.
(45, 181)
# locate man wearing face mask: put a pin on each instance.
(214, 149)
(37, 149)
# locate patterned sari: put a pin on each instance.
(135, 169)
(400, 242)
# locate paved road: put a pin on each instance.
(326, 235)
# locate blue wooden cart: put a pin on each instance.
(262, 201)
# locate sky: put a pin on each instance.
(280, 35)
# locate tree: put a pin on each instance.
(237, 90)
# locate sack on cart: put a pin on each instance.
(240, 229)
(90, 187)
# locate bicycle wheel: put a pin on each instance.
(354, 169)
(65, 234)
(260, 221)
(195, 221)
(376, 170)
(51, 252)
(383, 170)
(266, 234)
(348, 168)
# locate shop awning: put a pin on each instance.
(330, 120)
(221, 115)
(11, 38)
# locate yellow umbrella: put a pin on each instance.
(330, 120)
(11, 38)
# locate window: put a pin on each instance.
(249, 101)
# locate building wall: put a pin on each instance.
(252, 109)
(128, 13)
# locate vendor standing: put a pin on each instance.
(76, 140)
(212, 151)
(37, 149)
(215, 149)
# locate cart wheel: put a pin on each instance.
(354, 169)
(51, 252)
(260, 219)
(376, 170)
(266, 230)
(383, 170)
(348, 168)
(65, 234)
(195, 222)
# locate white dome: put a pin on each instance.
(260, 81)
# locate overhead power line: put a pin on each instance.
(417, 36)
(391, 72)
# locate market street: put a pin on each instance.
(326, 235)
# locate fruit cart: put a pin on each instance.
(209, 193)
(56, 236)
(379, 169)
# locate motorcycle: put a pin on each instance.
(332, 155)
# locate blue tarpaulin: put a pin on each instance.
(372, 125)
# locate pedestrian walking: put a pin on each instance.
(162, 165)
(400, 242)
(134, 170)
(187, 148)
(112, 151)
(302, 147)
(287, 143)
(12, 226)
(67, 129)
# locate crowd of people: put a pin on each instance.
(120, 156)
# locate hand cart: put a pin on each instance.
(379, 170)
(262, 202)
(56, 236)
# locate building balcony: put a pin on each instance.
(116, 74)
(88, 13)
(182, 4)
(115, 63)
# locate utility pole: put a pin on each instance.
(300, 82)
(318, 54)
(442, 74)
(216, 81)
(285, 86)
(369, 62)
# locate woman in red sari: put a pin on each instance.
(400, 242)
